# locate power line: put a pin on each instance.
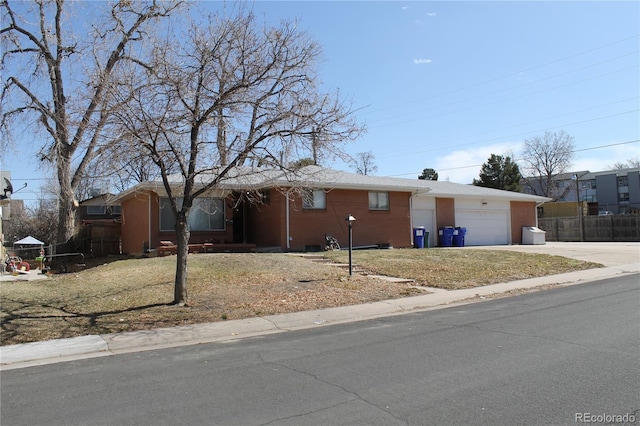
(491, 80)
(542, 119)
(445, 144)
(494, 102)
(512, 88)
(480, 165)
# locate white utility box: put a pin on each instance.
(532, 235)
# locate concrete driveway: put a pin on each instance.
(608, 254)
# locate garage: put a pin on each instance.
(491, 216)
(484, 227)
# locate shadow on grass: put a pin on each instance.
(77, 263)
(11, 328)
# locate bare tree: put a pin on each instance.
(630, 164)
(364, 163)
(39, 221)
(226, 94)
(543, 158)
(61, 80)
(121, 166)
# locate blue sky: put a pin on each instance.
(446, 84)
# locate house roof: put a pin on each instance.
(99, 200)
(243, 178)
(587, 175)
(620, 172)
(561, 176)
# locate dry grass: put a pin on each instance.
(454, 269)
(135, 294)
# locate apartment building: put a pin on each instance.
(615, 191)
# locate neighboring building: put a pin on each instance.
(98, 218)
(298, 210)
(616, 191)
(98, 207)
(563, 186)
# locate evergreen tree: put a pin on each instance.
(500, 172)
(428, 174)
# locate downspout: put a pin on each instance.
(287, 221)
(413, 194)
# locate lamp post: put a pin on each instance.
(578, 206)
(350, 219)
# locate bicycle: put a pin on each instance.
(331, 243)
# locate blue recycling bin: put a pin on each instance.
(458, 236)
(446, 236)
(419, 236)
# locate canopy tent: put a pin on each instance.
(29, 241)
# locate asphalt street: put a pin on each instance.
(547, 357)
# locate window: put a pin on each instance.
(96, 210)
(266, 197)
(623, 196)
(207, 214)
(314, 199)
(378, 200)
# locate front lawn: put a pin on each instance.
(135, 294)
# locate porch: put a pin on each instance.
(168, 248)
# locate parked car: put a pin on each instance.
(605, 213)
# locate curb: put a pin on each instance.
(51, 349)
(37, 353)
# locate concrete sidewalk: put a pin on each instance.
(620, 258)
(32, 275)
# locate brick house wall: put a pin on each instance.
(372, 227)
(522, 214)
(266, 222)
(307, 227)
(265, 225)
(445, 212)
(142, 208)
(135, 223)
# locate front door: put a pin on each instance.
(239, 223)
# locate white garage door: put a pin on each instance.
(423, 214)
(484, 227)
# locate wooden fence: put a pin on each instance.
(100, 238)
(594, 228)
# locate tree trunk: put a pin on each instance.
(180, 289)
(66, 203)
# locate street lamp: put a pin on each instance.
(350, 219)
(575, 176)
